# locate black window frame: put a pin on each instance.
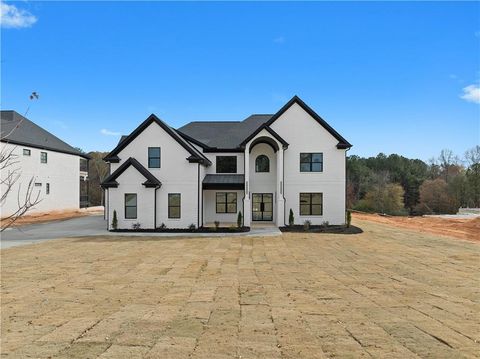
(310, 161)
(310, 204)
(225, 202)
(179, 206)
(155, 157)
(42, 159)
(261, 157)
(130, 206)
(47, 188)
(38, 184)
(27, 152)
(222, 158)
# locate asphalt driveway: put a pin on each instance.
(95, 225)
(33, 233)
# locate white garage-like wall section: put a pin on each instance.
(305, 134)
(176, 174)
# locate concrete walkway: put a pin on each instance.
(95, 225)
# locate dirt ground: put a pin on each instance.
(55, 216)
(388, 292)
(463, 228)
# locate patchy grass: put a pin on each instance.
(386, 292)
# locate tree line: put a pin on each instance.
(398, 185)
(385, 184)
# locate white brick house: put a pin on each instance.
(203, 172)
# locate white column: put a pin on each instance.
(247, 207)
(280, 195)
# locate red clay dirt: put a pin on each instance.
(461, 228)
(54, 216)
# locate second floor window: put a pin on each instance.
(154, 157)
(26, 152)
(262, 164)
(311, 162)
(226, 164)
(43, 157)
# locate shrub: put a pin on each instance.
(325, 224)
(239, 219)
(217, 224)
(421, 209)
(114, 220)
(291, 219)
(163, 226)
(192, 227)
(349, 218)
(136, 225)
(306, 225)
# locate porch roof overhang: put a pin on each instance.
(224, 181)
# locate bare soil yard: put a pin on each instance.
(55, 216)
(463, 228)
(387, 293)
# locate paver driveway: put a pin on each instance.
(387, 292)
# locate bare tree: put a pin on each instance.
(472, 156)
(447, 160)
(8, 165)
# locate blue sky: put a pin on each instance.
(388, 76)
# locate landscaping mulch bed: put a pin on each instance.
(322, 229)
(186, 230)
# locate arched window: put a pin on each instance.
(262, 164)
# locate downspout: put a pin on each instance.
(244, 188)
(155, 208)
(348, 149)
(198, 195)
(283, 190)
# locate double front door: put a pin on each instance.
(262, 206)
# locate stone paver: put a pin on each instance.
(388, 292)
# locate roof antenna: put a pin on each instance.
(33, 96)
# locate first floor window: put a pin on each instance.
(311, 162)
(154, 157)
(311, 204)
(130, 205)
(43, 157)
(174, 204)
(48, 188)
(26, 152)
(226, 202)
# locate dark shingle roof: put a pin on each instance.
(223, 181)
(151, 180)
(19, 130)
(223, 134)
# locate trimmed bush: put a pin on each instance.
(114, 220)
(349, 218)
(306, 225)
(239, 219)
(291, 219)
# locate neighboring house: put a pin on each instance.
(59, 171)
(203, 172)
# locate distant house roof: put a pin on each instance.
(223, 181)
(151, 180)
(229, 135)
(19, 130)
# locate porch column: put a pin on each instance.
(280, 195)
(247, 207)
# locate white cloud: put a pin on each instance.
(471, 93)
(279, 40)
(106, 132)
(13, 17)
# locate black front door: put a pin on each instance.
(262, 206)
